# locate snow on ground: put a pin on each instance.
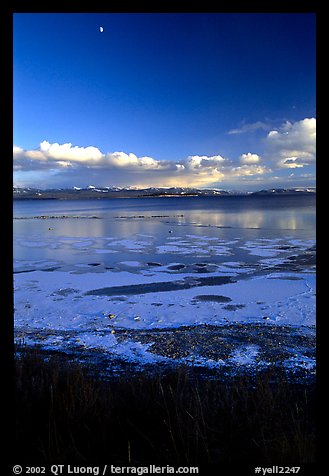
(58, 299)
(85, 305)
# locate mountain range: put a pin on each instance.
(92, 192)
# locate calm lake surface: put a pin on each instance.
(135, 221)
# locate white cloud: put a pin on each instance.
(67, 152)
(294, 145)
(291, 163)
(63, 163)
(249, 170)
(78, 165)
(123, 160)
(198, 162)
(49, 156)
(250, 158)
(272, 134)
(250, 128)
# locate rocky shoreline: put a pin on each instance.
(234, 349)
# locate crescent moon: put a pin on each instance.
(101, 29)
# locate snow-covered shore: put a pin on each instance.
(88, 306)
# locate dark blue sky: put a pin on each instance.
(166, 87)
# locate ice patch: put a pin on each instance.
(199, 361)
(302, 243)
(300, 361)
(201, 248)
(255, 250)
(133, 264)
(272, 261)
(33, 244)
(234, 268)
(105, 251)
(127, 350)
(83, 244)
(48, 299)
(93, 341)
(245, 355)
(21, 266)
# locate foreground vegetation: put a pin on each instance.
(65, 414)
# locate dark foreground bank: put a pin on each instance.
(65, 414)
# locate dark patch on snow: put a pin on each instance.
(185, 283)
(212, 298)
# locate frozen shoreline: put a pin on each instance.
(119, 329)
(233, 348)
(122, 311)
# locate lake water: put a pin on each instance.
(153, 224)
(87, 270)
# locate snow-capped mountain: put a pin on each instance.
(92, 191)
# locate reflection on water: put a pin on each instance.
(156, 219)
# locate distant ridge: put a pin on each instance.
(92, 192)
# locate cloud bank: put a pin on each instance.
(121, 168)
(292, 146)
